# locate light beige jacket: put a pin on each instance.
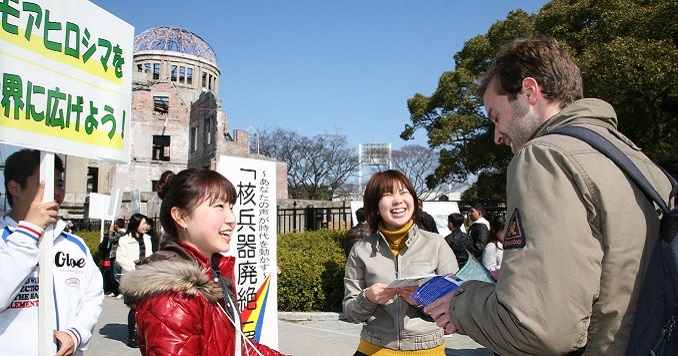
(396, 325)
(576, 280)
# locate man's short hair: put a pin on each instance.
(360, 215)
(542, 58)
(455, 219)
(22, 164)
(120, 223)
(479, 207)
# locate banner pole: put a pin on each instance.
(46, 287)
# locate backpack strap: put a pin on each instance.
(619, 158)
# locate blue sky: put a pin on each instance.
(319, 67)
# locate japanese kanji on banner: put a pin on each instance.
(66, 68)
(254, 245)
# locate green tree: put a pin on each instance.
(626, 50)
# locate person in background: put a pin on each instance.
(360, 230)
(104, 259)
(459, 241)
(494, 250)
(115, 232)
(479, 229)
(580, 232)
(132, 247)
(153, 233)
(397, 248)
(78, 285)
(188, 282)
(426, 221)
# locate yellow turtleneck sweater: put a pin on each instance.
(396, 238)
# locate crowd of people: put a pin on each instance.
(572, 231)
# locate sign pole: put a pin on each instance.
(46, 287)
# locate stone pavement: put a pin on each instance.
(299, 334)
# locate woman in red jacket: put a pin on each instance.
(182, 294)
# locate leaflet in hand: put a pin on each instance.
(439, 286)
(414, 281)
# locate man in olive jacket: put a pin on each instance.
(579, 233)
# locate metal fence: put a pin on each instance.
(312, 218)
(297, 219)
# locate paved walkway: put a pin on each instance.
(299, 334)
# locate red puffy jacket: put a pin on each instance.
(179, 308)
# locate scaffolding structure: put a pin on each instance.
(373, 154)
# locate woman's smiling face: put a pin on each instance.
(397, 207)
(211, 226)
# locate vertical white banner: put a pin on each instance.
(254, 245)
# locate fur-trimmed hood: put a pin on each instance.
(173, 275)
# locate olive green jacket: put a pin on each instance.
(587, 232)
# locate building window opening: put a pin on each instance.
(140, 68)
(204, 79)
(161, 148)
(209, 131)
(209, 82)
(173, 74)
(189, 75)
(182, 74)
(161, 104)
(92, 179)
(193, 138)
(156, 70)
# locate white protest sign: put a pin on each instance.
(66, 68)
(254, 245)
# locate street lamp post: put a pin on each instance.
(256, 136)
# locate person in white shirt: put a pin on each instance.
(78, 284)
(494, 250)
(133, 247)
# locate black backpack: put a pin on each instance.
(657, 310)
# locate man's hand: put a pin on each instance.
(42, 213)
(379, 294)
(406, 294)
(67, 344)
(439, 311)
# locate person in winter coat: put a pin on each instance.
(393, 323)
(579, 234)
(132, 248)
(479, 231)
(183, 295)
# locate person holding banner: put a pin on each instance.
(397, 248)
(78, 284)
(183, 295)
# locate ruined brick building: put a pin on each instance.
(177, 122)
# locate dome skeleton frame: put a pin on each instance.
(174, 39)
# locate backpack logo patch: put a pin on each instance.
(515, 235)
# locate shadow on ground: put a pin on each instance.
(114, 332)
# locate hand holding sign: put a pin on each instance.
(42, 213)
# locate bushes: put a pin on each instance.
(312, 265)
(92, 239)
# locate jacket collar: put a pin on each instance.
(584, 111)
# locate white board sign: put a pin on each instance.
(254, 245)
(66, 68)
